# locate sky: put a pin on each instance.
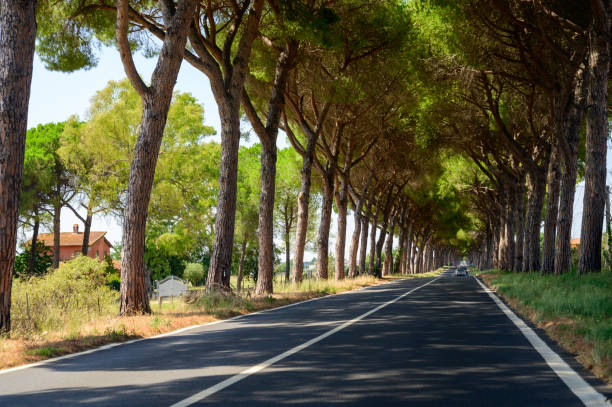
(56, 96)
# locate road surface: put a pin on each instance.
(413, 342)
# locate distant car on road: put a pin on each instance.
(461, 271)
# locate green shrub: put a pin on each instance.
(64, 298)
(42, 260)
(194, 273)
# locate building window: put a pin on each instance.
(97, 253)
(76, 253)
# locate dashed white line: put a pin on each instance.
(257, 368)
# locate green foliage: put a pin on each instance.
(70, 295)
(42, 261)
(194, 273)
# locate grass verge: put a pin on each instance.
(32, 346)
(574, 311)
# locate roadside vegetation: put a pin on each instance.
(575, 310)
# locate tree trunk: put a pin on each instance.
(86, 232)
(301, 227)
(388, 265)
(268, 136)
(573, 128)
(552, 210)
(373, 244)
(363, 247)
(221, 257)
(287, 255)
(155, 105)
(535, 202)
(18, 34)
(341, 206)
(353, 249)
(265, 230)
(383, 234)
(33, 243)
(608, 230)
(57, 210)
(241, 266)
(323, 237)
(596, 137)
(519, 221)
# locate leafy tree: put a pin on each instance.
(43, 260)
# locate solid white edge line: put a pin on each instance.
(263, 365)
(115, 344)
(583, 390)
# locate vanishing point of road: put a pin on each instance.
(443, 341)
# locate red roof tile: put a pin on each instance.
(71, 238)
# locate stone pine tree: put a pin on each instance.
(156, 100)
(18, 33)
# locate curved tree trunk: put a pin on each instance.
(596, 138)
(155, 105)
(86, 232)
(552, 210)
(353, 249)
(18, 28)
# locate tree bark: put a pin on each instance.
(57, 210)
(341, 206)
(265, 230)
(268, 136)
(301, 227)
(596, 137)
(155, 105)
(323, 236)
(241, 265)
(572, 127)
(388, 265)
(535, 202)
(18, 33)
(373, 243)
(363, 247)
(552, 210)
(86, 232)
(519, 221)
(287, 255)
(33, 243)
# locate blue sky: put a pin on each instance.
(56, 96)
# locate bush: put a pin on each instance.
(65, 298)
(194, 273)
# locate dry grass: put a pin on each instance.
(569, 331)
(174, 314)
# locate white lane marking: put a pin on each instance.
(178, 331)
(257, 368)
(584, 391)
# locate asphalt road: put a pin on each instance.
(444, 344)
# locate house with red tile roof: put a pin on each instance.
(71, 244)
(575, 243)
